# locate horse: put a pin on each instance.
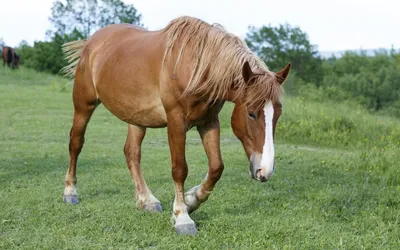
(177, 77)
(10, 57)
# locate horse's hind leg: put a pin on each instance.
(85, 102)
(132, 150)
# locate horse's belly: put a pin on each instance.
(151, 116)
(141, 108)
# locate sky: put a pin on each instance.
(333, 25)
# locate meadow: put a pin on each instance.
(336, 184)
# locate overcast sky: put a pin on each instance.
(332, 25)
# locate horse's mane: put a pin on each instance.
(218, 59)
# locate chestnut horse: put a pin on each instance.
(177, 77)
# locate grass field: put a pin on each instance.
(336, 185)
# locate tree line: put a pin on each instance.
(372, 81)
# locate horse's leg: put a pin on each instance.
(176, 137)
(210, 136)
(132, 150)
(85, 102)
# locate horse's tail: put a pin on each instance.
(73, 51)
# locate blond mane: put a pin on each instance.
(218, 59)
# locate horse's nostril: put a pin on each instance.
(260, 175)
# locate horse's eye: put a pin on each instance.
(252, 116)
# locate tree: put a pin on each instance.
(26, 54)
(373, 80)
(279, 45)
(46, 55)
(86, 16)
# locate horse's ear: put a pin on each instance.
(247, 72)
(282, 75)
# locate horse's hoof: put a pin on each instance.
(186, 229)
(153, 207)
(71, 199)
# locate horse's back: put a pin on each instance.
(124, 63)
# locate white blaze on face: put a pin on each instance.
(268, 154)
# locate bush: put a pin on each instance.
(372, 81)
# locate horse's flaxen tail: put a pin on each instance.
(73, 51)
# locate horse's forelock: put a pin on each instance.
(264, 88)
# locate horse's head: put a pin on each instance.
(255, 127)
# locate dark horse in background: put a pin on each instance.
(10, 57)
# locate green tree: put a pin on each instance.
(26, 54)
(373, 81)
(279, 45)
(46, 55)
(86, 16)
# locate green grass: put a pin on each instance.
(336, 186)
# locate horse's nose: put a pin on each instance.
(263, 175)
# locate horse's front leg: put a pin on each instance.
(210, 136)
(177, 137)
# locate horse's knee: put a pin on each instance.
(179, 171)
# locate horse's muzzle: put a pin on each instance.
(259, 173)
